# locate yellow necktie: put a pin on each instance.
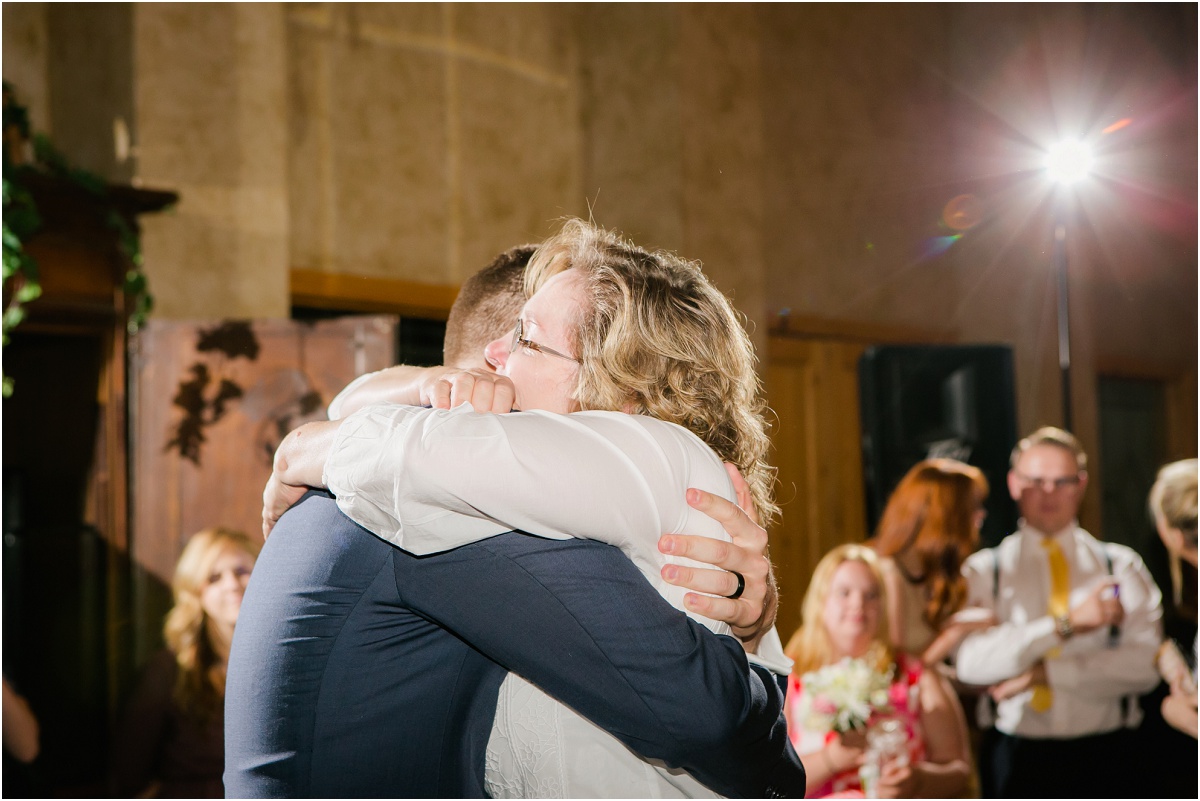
(1059, 605)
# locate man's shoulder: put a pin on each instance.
(988, 557)
(1118, 554)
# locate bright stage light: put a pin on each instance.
(1068, 162)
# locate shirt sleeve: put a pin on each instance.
(1002, 651)
(334, 411)
(1099, 666)
(428, 480)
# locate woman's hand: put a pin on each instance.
(847, 751)
(1179, 710)
(447, 387)
(299, 465)
(1031, 678)
(753, 613)
(955, 630)
(898, 779)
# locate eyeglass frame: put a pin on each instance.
(517, 340)
(1056, 484)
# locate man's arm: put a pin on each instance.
(1099, 666)
(578, 620)
(1003, 651)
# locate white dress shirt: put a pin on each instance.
(1091, 673)
(428, 480)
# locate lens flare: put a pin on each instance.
(962, 213)
(1118, 125)
(936, 246)
(1068, 162)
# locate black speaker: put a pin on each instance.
(925, 401)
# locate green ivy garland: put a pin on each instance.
(21, 221)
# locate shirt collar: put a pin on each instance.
(1057, 535)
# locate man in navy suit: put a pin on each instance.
(359, 670)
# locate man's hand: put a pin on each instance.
(299, 464)
(1101, 608)
(1033, 677)
(278, 497)
(447, 387)
(751, 615)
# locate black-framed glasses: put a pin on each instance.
(519, 341)
(1049, 485)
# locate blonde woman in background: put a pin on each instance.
(843, 616)
(1173, 505)
(171, 741)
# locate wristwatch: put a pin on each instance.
(1062, 625)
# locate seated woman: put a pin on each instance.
(843, 616)
(635, 381)
(171, 740)
(928, 528)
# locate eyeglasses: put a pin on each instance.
(1049, 485)
(518, 340)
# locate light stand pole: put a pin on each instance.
(1064, 322)
(1067, 163)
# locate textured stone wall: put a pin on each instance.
(426, 138)
(211, 100)
(805, 153)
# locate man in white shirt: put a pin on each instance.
(1079, 627)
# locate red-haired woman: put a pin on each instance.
(929, 527)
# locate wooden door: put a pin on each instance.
(812, 385)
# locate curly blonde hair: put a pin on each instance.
(810, 647)
(200, 685)
(657, 338)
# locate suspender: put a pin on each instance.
(1114, 635)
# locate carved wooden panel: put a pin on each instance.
(210, 401)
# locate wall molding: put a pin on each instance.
(364, 294)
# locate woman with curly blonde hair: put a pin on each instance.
(842, 617)
(658, 339)
(635, 381)
(171, 743)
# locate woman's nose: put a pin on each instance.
(496, 352)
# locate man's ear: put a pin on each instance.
(1014, 485)
(1083, 481)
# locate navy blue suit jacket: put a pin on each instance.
(360, 670)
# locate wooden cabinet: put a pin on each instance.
(65, 483)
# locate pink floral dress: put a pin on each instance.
(906, 705)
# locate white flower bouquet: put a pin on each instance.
(843, 696)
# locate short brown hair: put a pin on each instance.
(487, 305)
(1049, 435)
